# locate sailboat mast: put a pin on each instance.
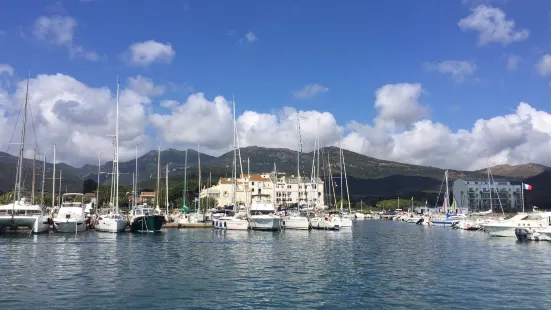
(234, 172)
(117, 154)
(185, 180)
(489, 181)
(136, 179)
(199, 181)
(43, 180)
(34, 178)
(97, 188)
(59, 189)
(17, 193)
(298, 161)
(166, 185)
(158, 176)
(53, 183)
(447, 194)
(346, 182)
(341, 159)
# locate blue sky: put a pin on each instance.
(352, 48)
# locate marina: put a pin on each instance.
(375, 263)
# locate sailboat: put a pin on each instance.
(450, 218)
(295, 220)
(237, 221)
(145, 219)
(114, 221)
(346, 220)
(21, 212)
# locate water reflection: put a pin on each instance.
(377, 264)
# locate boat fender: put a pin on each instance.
(224, 224)
(468, 226)
(213, 224)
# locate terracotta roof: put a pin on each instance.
(147, 194)
(92, 195)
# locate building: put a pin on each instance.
(280, 190)
(474, 196)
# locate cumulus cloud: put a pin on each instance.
(60, 30)
(492, 26)
(398, 105)
(544, 65)
(459, 69)
(310, 91)
(145, 86)
(149, 52)
(7, 69)
(76, 117)
(79, 119)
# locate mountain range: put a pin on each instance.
(368, 176)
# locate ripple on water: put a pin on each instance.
(375, 265)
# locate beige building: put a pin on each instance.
(281, 191)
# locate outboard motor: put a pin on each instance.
(522, 234)
(420, 221)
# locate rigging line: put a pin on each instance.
(15, 127)
(34, 129)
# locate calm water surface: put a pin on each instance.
(375, 265)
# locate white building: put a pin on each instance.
(281, 191)
(475, 195)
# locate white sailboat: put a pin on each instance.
(114, 221)
(22, 213)
(346, 220)
(237, 221)
(295, 220)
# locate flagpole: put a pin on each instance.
(522, 195)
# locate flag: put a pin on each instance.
(527, 187)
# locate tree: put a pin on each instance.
(89, 186)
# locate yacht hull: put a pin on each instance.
(111, 225)
(295, 222)
(148, 223)
(70, 225)
(500, 231)
(37, 224)
(267, 224)
(345, 222)
(322, 224)
(231, 224)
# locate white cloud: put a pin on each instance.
(459, 69)
(309, 91)
(544, 65)
(513, 61)
(398, 106)
(148, 52)
(5, 68)
(78, 118)
(145, 86)
(250, 36)
(492, 26)
(60, 30)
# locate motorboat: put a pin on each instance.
(70, 218)
(506, 228)
(263, 217)
(145, 219)
(294, 220)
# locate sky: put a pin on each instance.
(435, 83)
